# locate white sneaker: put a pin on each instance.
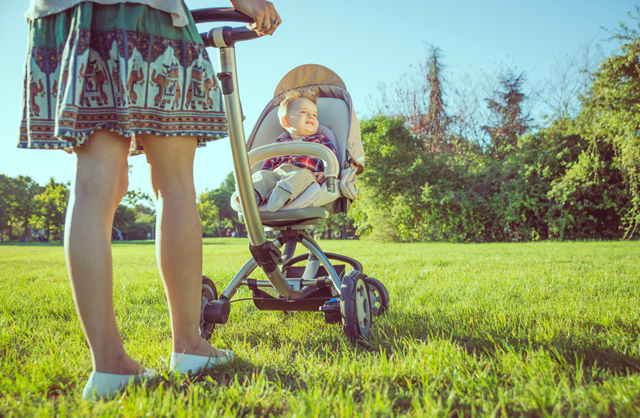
(185, 363)
(104, 385)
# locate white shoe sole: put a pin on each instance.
(185, 363)
(104, 385)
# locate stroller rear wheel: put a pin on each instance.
(355, 306)
(378, 295)
(209, 293)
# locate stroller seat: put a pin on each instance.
(337, 122)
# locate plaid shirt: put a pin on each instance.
(312, 164)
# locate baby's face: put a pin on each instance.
(302, 118)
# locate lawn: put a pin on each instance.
(538, 329)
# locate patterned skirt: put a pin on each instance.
(121, 67)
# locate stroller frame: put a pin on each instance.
(350, 298)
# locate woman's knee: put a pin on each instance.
(105, 188)
(171, 162)
(102, 171)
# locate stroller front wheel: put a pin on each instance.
(355, 306)
(378, 295)
(209, 294)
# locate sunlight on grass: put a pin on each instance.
(538, 329)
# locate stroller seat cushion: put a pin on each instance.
(293, 217)
(305, 200)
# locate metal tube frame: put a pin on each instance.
(242, 171)
(240, 278)
(315, 250)
(241, 166)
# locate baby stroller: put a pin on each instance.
(308, 282)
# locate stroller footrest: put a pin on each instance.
(265, 302)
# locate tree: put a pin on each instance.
(224, 216)
(52, 207)
(436, 120)
(5, 202)
(209, 213)
(419, 99)
(342, 224)
(23, 205)
(133, 198)
(124, 219)
(227, 215)
(391, 185)
(568, 80)
(611, 114)
(511, 119)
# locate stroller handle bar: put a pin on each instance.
(331, 164)
(226, 36)
(222, 37)
(219, 14)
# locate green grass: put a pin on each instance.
(540, 329)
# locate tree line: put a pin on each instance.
(33, 212)
(481, 170)
(461, 162)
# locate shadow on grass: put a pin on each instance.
(31, 244)
(574, 350)
(135, 242)
(243, 371)
(153, 242)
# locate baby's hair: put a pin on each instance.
(291, 96)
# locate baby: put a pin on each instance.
(282, 179)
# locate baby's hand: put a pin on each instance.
(320, 178)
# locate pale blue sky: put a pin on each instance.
(364, 41)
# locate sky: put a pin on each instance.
(364, 41)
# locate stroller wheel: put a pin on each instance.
(209, 293)
(378, 295)
(355, 306)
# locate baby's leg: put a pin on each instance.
(263, 182)
(293, 181)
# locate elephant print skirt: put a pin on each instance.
(121, 67)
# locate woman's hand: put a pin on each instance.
(265, 17)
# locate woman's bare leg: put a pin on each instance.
(178, 238)
(101, 181)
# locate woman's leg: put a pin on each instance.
(101, 181)
(178, 238)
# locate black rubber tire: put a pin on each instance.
(355, 306)
(378, 295)
(209, 293)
